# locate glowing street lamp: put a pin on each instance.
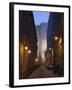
(56, 38)
(36, 60)
(49, 48)
(26, 48)
(29, 51)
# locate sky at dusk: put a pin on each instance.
(40, 17)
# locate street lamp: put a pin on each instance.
(49, 48)
(36, 60)
(29, 51)
(56, 38)
(26, 48)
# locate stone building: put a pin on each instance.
(27, 43)
(55, 40)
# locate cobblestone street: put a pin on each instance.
(42, 72)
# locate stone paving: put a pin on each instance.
(42, 72)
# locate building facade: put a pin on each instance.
(55, 40)
(27, 43)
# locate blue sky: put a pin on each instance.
(40, 17)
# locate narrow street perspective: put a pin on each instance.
(41, 44)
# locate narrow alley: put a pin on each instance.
(42, 72)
